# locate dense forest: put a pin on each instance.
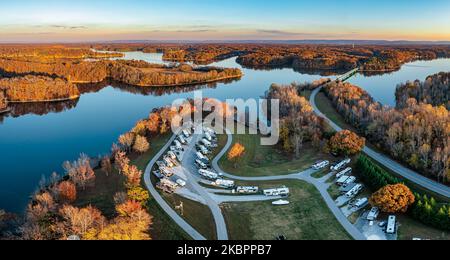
(435, 90)
(418, 134)
(37, 88)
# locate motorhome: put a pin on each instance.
(359, 203)
(373, 214)
(321, 165)
(353, 192)
(167, 185)
(166, 172)
(200, 156)
(341, 180)
(350, 180)
(168, 162)
(178, 145)
(247, 189)
(181, 139)
(172, 155)
(391, 225)
(284, 191)
(186, 134)
(224, 183)
(201, 164)
(208, 174)
(344, 172)
(208, 137)
(181, 182)
(206, 142)
(340, 165)
(158, 174)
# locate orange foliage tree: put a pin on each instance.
(236, 153)
(393, 198)
(67, 191)
(347, 143)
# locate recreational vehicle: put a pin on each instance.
(341, 180)
(340, 165)
(321, 165)
(186, 134)
(276, 192)
(178, 145)
(350, 180)
(373, 214)
(360, 203)
(181, 139)
(353, 192)
(206, 142)
(344, 172)
(201, 164)
(247, 189)
(172, 155)
(391, 225)
(181, 183)
(224, 183)
(208, 174)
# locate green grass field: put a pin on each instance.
(262, 160)
(307, 217)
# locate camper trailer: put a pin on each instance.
(224, 183)
(172, 155)
(200, 164)
(247, 189)
(206, 142)
(208, 174)
(284, 191)
(178, 145)
(168, 162)
(181, 139)
(353, 192)
(391, 225)
(350, 180)
(340, 165)
(341, 180)
(186, 134)
(167, 185)
(359, 203)
(373, 214)
(320, 165)
(344, 172)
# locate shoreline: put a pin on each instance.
(46, 100)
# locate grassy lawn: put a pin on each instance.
(326, 107)
(320, 174)
(307, 217)
(410, 228)
(268, 160)
(196, 214)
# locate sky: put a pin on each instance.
(108, 20)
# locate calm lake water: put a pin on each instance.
(36, 144)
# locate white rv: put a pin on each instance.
(373, 214)
(178, 145)
(340, 165)
(321, 165)
(350, 180)
(361, 203)
(224, 183)
(206, 142)
(277, 192)
(208, 137)
(186, 134)
(208, 174)
(341, 180)
(200, 156)
(344, 172)
(172, 155)
(247, 189)
(201, 164)
(353, 192)
(391, 225)
(181, 139)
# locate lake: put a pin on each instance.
(41, 137)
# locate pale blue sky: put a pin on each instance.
(61, 20)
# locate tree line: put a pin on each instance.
(435, 90)
(416, 135)
(36, 88)
(424, 209)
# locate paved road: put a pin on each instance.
(389, 163)
(189, 165)
(321, 186)
(166, 207)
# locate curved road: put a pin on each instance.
(322, 187)
(387, 162)
(166, 207)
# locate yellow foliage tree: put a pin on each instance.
(393, 198)
(236, 153)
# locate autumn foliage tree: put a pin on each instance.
(67, 191)
(236, 153)
(393, 198)
(141, 145)
(80, 171)
(346, 143)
